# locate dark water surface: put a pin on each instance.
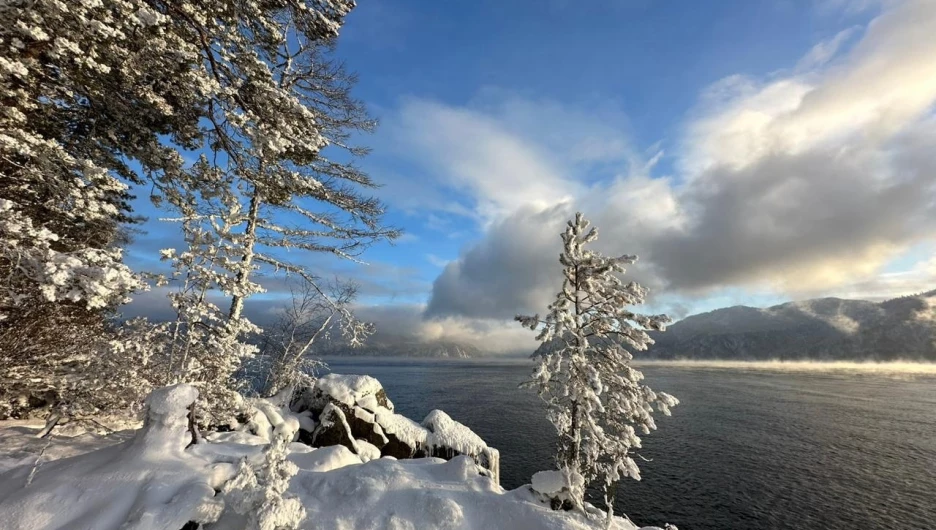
(744, 449)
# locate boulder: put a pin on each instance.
(366, 451)
(347, 390)
(358, 397)
(306, 437)
(560, 488)
(332, 429)
(306, 427)
(364, 425)
(405, 437)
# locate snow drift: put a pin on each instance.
(148, 482)
(160, 479)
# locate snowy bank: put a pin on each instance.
(160, 479)
(150, 481)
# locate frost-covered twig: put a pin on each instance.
(38, 462)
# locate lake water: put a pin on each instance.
(745, 448)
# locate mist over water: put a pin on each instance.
(800, 445)
(901, 369)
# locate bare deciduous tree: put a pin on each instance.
(313, 316)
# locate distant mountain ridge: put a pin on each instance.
(823, 329)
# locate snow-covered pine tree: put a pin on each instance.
(86, 88)
(595, 399)
(267, 187)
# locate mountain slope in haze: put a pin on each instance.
(393, 346)
(822, 329)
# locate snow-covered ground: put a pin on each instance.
(155, 478)
(20, 446)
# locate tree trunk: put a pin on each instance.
(250, 240)
(574, 460)
(610, 494)
(193, 426)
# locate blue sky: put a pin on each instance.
(751, 151)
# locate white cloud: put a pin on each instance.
(887, 81)
(818, 179)
(406, 237)
(920, 278)
(500, 153)
(470, 152)
(804, 183)
(822, 53)
(851, 7)
(436, 260)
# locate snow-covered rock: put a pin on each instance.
(405, 437)
(355, 407)
(332, 429)
(367, 451)
(349, 390)
(550, 482)
(559, 488)
(446, 432)
(447, 439)
(363, 423)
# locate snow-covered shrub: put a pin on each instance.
(136, 84)
(114, 378)
(205, 346)
(106, 369)
(40, 371)
(56, 303)
(594, 397)
(259, 493)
